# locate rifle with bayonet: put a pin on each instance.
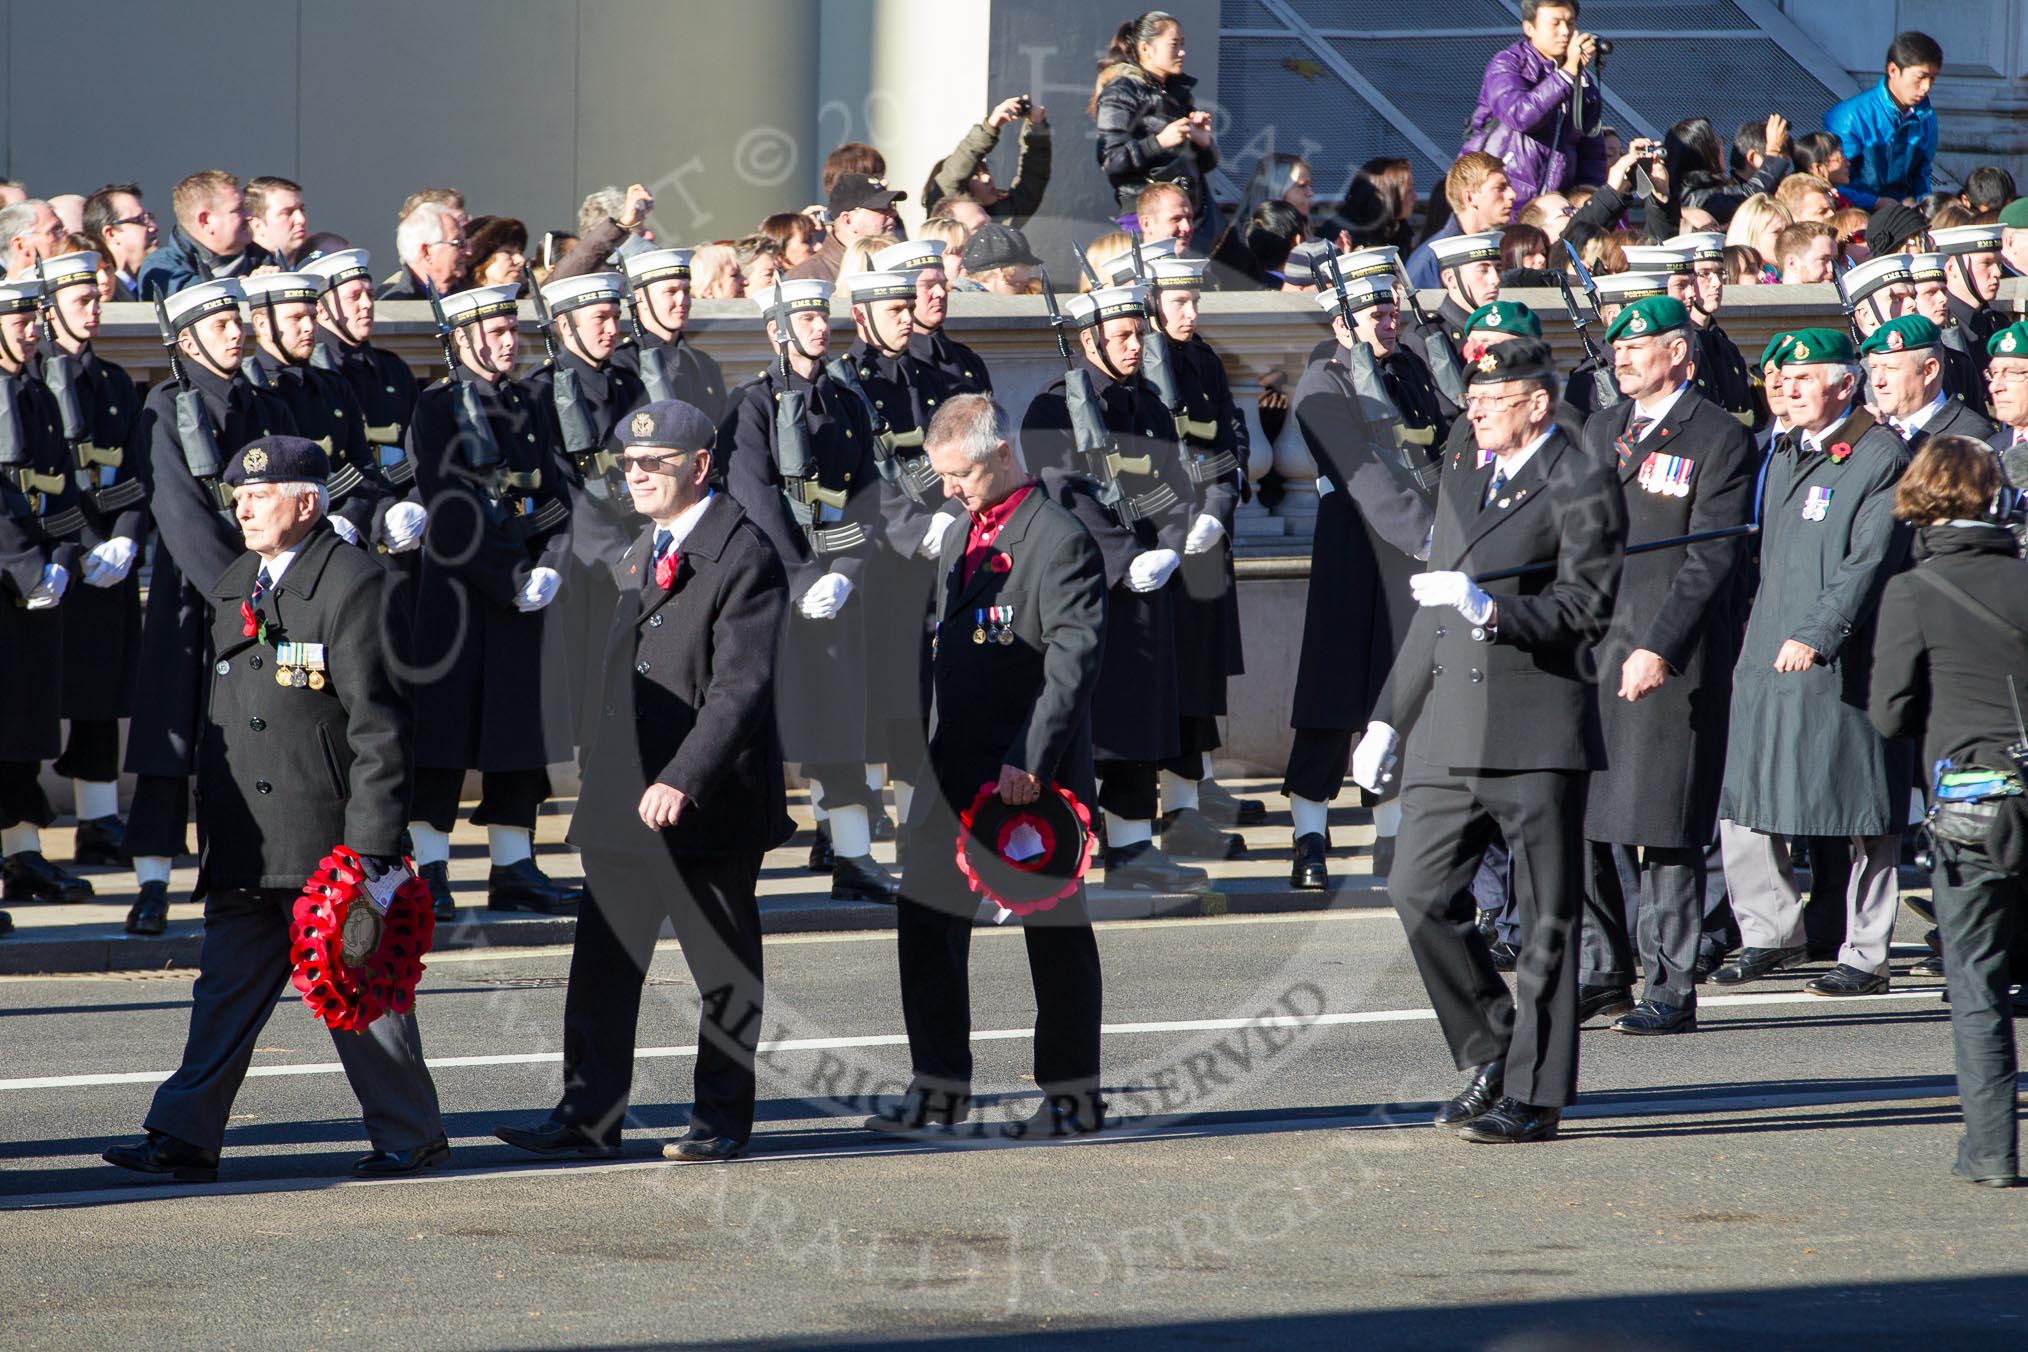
(63, 375)
(796, 461)
(581, 440)
(1096, 448)
(194, 432)
(1410, 445)
(1437, 351)
(1605, 389)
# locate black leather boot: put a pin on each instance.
(860, 878)
(524, 887)
(437, 877)
(150, 914)
(101, 840)
(30, 877)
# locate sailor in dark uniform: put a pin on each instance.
(1880, 289)
(658, 283)
(197, 537)
(811, 483)
(1972, 272)
(40, 522)
(1722, 375)
(963, 368)
(1469, 267)
(1586, 391)
(100, 408)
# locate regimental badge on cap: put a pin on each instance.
(1489, 363)
(1894, 343)
(1800, 351)
(1492, 320)
(575, 293)
(643, 425)
(255, 460)
(1638, 323)
(2007, 343)
(656, 265)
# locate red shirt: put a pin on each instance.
(986, 529)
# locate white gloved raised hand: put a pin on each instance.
(1455, 590)
(401, 526)
(108, 564)
(347, 532)
(1374, 758)
(932, 545)
(55, 581)
(826, 597)
(538, 591)
(1204, 533)
(1147, 572)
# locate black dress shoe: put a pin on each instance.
(1652, 1018)
(1143, 867)
(1988, 1180)
(30, 877)
(551, 1137)
(921, 1110)
(1843, 980)
(101, 840)
(1754, 963)
(1189, 834)
(862, 878)
(1488, 925)
(1708, 961)
(387, 1163)
(6, 923)
(524, 887)
(821, 859)
(1594, 1001)
(1512, 1122)
(437, 877)
(703, 1150)
(1309, 873)
(1506, 956)
(150, 913)
(1061, 1116)
(1215, 801)
(1479, 1095)
(161, 1153)
(882, 826)
(1383, 857)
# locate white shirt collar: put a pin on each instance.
(1660, 408)
(1919, 419)
(278, 565)
(686, 520)
(1512, 464)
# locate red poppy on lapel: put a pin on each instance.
(665, 570)
(249, 625)
(999, 563)
(1841, 452)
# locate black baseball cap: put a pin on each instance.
(862, 190)
(994, 245)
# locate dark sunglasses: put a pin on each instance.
(650, 464)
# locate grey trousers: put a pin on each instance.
(1769, 905)
(242, 969)
(1658, 895)
(1979, 910)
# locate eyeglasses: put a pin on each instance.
(1486, 403)
(650, 464)
(2012, 375)
(458, 244)
(146, 218)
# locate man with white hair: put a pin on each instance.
(288, 770)
(431, 243)
(29, 231)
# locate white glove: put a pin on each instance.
(933, 539)
(108, 564)
(55, 580)
(347, 532)
(1147, 572)
(1373, 759)
(1204, 533)
(826, 596)
(538, 591)
(1455, 590)
(401, 526)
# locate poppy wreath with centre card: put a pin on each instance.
(1055, 838)
(353, 964)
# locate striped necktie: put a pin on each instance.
(1636, 429)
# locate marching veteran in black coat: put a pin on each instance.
(682, 794)
(304, 746)
(1686, 467)
(1494, 691)
(1021, 621)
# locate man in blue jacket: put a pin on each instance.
(1889, 131)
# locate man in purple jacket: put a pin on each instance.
(1539, 109)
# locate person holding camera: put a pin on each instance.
(1539, 108)
(1150, 129)
(1949, 662)
(965, 171)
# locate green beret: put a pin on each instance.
(2015, 214)
(2011, 341)
(1505, 316)
(1776, 351)
(1910, 333)
(1648, 315)
(1819, 347)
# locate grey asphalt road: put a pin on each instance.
(1782, 1176)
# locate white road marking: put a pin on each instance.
(810, 1044)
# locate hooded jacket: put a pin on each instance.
(1524, 116)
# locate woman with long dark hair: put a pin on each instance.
(1150, 129)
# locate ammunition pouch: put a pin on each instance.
(1210, 469)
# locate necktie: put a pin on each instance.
(1499, 482)
(250, 621)
(261, 585)
(665, 560)
(1636, 429)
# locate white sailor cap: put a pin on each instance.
(1966, 239)
(339, 266)
(1665, 259)
(71, 269)
(481, 302)
(1177, 274)
(193, 303)
(1453, 250)
(1361, 293)
(18, 294)
(882, 285)
(656, 265)
(911, 255)
(805, 293)
(1120, 270)
(1382, 260)
(1705, 246)
(592, 288)
(1306, 262)
(282, 288)
(1620, 288)
(1926, 267)
(1863, 279)
(1113, 302)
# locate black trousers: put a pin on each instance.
(506, 797)
(242, 969)
(158, 818)
(92, 751)
(1200, 735)
(1447, 821)
(934, 943)
(1980, 911)
(1318, 760)
(842, 785)
(1130, 789)
(21, 795)
(711, 903)
(1655, 898)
